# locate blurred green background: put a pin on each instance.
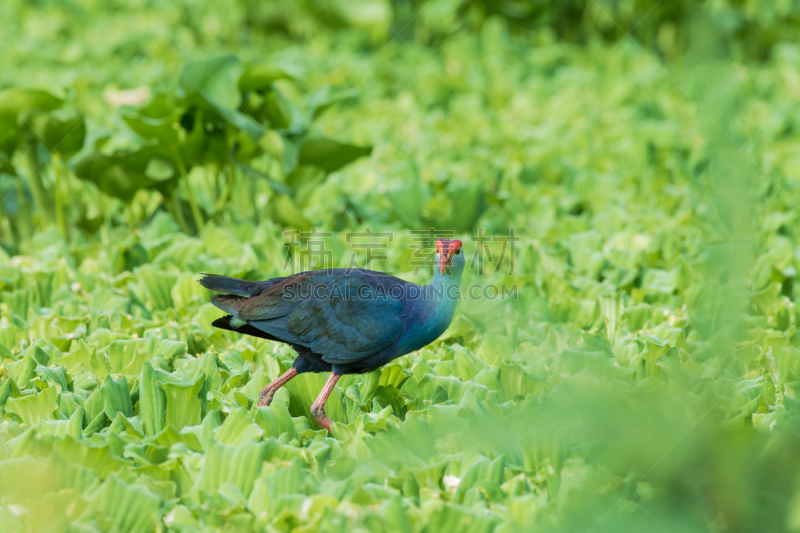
(644, 377)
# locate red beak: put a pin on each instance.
(444, 261)
(446, 249)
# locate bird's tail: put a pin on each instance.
(224, 323)
(232, 323)
(230, 303)
(230, 285)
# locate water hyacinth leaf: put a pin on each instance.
(6, 390)
(154, 128)
(95, 456)
(284, 211)
(241, 121)
(23, 370)
(167, 348)
(5, 453)
(325, 97)
(183, 408)
(215, 79)
(468, 203)
(277, 186)
(239, 465)
(16, 100)
(146, 454)
(238, 428)
(121, 175)
(574, 361)
(116, 397)
(261, 77)
(612, 308)
(518, 383)
(654, 349)
(34, 408)
(127, 356)
(408, 200)
(169, 437)
(96, 424)
(6, 168)
(391, 375)
(64, 136)
(330, 155)
(270, 494)
(94, 405)
(56, 376)
(122, 506)
(276, 421)
(453, 388)
(158, 286)
(75, 423)
(481, 470)
(278, 110)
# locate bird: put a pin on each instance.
(341, 320)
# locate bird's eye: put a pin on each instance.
(458, 252)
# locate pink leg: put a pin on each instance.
(318, 407)
(265, 398)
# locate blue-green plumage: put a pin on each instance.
(341, 320)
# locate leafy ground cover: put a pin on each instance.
(642, 376)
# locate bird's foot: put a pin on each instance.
(265, 398)
(318, 412)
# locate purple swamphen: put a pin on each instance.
(342, 321)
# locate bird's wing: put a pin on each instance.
(228, 285)
(342, 317)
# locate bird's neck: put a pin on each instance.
(445, 291)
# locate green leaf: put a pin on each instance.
(327, 96)
(124, 173)
(284, 211)
(122, 506)
(261, 77)
(95, 456)
(574, 361)
(183, 407)
(157, 284)
(269, 494)
(481, 470)
(279, 110)
(168, 349)
(55, 375)
(241, 121)
(454, 388)
(215, 79)
(15, 100)
(127, 356)
(64, 136)
(23, 370)
(34, 408)
(6, 390)
(239, 465)
(467, 204)
(162, 129)
(116, 397)
(408, 200)
(330, 155)
(276, 421)
(238, 428)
